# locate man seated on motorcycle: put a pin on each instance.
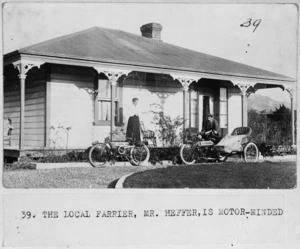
(210, 129)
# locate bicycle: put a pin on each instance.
(137, 153)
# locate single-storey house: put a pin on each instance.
(72, 90)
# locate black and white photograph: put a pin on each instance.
(159, 96)
(159, 91)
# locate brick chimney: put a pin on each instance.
(152, 30)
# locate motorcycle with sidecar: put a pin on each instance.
(209, 148)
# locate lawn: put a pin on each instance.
(273, 175)
(67, 177)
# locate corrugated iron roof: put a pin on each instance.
(108, 45)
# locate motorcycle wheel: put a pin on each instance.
(98, 155)
(251, 153)
(187, 154)
(139, 155)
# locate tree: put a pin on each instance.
(260, 126)
(281, 120)
(272, 128)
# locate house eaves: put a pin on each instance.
(114, 47)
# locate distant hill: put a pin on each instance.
(261, 103)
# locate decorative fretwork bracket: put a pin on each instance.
(24, 66)
(243, 85)
(90, 91)
(112, 74)
(290, 90)
(163, 96)
(185, 80)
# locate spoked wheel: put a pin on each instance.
(251, 152)
(98, 155)
(187, 154)
(139, 155)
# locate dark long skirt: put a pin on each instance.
(133, 128)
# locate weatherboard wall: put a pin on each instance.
(71, 116)
(12, 109)
(34, 125)
(34, 121)
(35, 104)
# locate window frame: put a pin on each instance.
(223, 100)
(190, 100)
(98, 98)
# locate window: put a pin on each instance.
(103, 103)
(223, 107)
(193, 109)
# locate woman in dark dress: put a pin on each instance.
(133, 126)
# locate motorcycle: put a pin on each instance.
(211, 148)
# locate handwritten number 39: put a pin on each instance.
(249, 23)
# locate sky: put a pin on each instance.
(267, 38)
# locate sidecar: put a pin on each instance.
(238, 142)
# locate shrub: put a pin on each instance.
(169, 130)
(271, 128)
(72, 156)
(24, 162)
(157, 155)
(268, 150)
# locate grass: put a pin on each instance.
(273, 175)
(67, 177)
(234, 175)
